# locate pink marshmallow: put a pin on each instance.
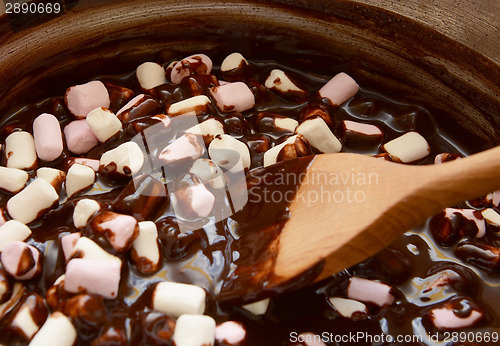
(369, 291)
(193, 64)
(79, 137)
(233, 97)
(68, 243)
(81, 99)
(48, 137)
(93, 276)
(21, 260)
(444, 318)
(339, 89)
(92, 163)
(130, 104)
(2, 217)
(496, 198)
(193, 198)
(230, 332)
(120, 230)
(469, 214)
(188, 146)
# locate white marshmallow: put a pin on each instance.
(287, 124)
(175, 299)
(79, 178)
(103, 123)
(87, 249)
(339, 89)
(195, 105)
(68, 243)
(280, 82)
(48, 137)
(81, 99)
(5, 287)
(20, 150)
(444, 318)
(188, 146)
(258, 308)
(84, 209)
(230, 332)
(56, 331)
(319, 135)
(209, 173)
(150, 75)
(193, 64)
(469, 215)
(93, 277)
(496, 198)
(348, 307)
(18, 291)
(407, 148)
(489, 214)
(12, 179)
(145, 246)
(208, 128)
(271, 156)
(23, 319)
(53, 176)
(226, 151)
(33, 201)
(369, 291)
(194, 330)
(13, 231)
(233, 97)
(127, 157)
(79, 137)
(233, 61)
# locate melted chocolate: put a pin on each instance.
(239, 244)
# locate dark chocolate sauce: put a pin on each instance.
(211, 257)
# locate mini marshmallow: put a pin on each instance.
(193, 64)
(53, 176)
(339, 89)
(13, 230)
(79, 137)
(230, 333)
(127, 158)
(103, 124)
(208, 129)
(140, 106)
(175, 299)
(311, 339)
(56, 331)
(489, 214)
(496, 198)
(32, 310)
(33, 201)
(445, 157)
(195, 105)
(270, 122)
(188, 146)
(150, 75)
(84, 209)
(292, 147)
(5, 288)
(18, 291)
(407, 148)
(348, 307)
(68, 243)
(86, 248)
(469, 214)
(79, 178)
(145, 250)
(209, 173)
(192, 199)
(81, 99)
(279, 82)
(369, 291)
(258, 308)
(92, 163)
(233, 97)
(225, 149)
(48, 137)
(445, 319)
(21, 260)
(120, 230)
(93, 277)
(232, 62)
(286, 124)
(3, 220)
(359, 133)
(194, 330)
(20, 150)
(319, 135)
(12, 179)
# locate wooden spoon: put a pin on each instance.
(351, 206)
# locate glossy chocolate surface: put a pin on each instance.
(207, 257)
